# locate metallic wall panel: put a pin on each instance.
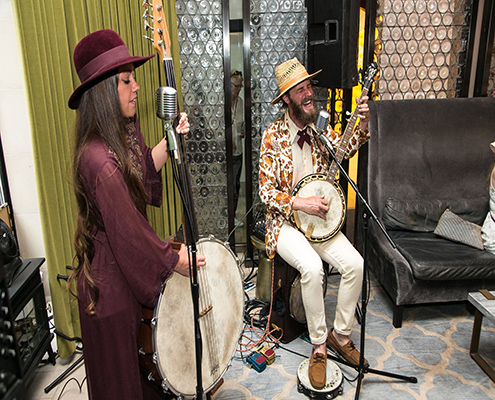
(201, 42)
(421, 48)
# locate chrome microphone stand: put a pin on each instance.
(362, 369)
(166, 100)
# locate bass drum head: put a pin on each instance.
(221, 301)
(332, 388)
(296, 306)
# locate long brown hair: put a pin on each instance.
(99, 115)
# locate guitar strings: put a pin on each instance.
(209, 335)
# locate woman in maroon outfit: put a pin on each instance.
(121, 264)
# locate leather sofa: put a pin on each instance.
(425, 156)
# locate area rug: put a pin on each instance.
(432, 345)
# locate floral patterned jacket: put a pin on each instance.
(276, 172)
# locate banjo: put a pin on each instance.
(313, 227)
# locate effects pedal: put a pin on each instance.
(267, 352)
(257, 362)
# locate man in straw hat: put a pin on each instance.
(289, 152)
(120, 262)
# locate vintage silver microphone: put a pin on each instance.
(166, 109)
(321, 125)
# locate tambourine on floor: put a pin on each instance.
(333, 386)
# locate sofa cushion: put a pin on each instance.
(422, 215)
(452, 227)
(434, 258)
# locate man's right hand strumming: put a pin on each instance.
(314, 205)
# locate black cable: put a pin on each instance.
(253, 305)
(252, 273)
(80, 385)
(242, 219)
(71, 339)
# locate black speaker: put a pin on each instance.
(333, 32)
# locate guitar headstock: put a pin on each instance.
(369, 76)
(161, 38)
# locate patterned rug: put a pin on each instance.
(432, 345)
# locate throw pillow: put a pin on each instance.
(453, 227)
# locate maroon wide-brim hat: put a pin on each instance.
(98, 56)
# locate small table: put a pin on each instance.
(484, 307)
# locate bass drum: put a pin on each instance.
(221, 308)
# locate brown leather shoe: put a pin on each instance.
(317, 371)
(348, 351)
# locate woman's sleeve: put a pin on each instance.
(144, 259)
(152, 179)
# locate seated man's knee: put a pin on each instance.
(312, 270)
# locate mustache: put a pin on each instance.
(306, 99)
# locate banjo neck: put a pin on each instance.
(344, 141)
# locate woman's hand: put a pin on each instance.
(182, 266)
(160, 152)
(183, 125)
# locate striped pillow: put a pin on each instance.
(453, 227)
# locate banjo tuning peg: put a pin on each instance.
(147, 14)
(150, 39)
(147, 26)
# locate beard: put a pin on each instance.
(300, 114)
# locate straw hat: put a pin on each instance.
(98, 56)
(289, 74)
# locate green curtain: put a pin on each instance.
(48, 32)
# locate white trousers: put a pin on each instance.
(307, 258)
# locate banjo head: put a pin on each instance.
(314, 228)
